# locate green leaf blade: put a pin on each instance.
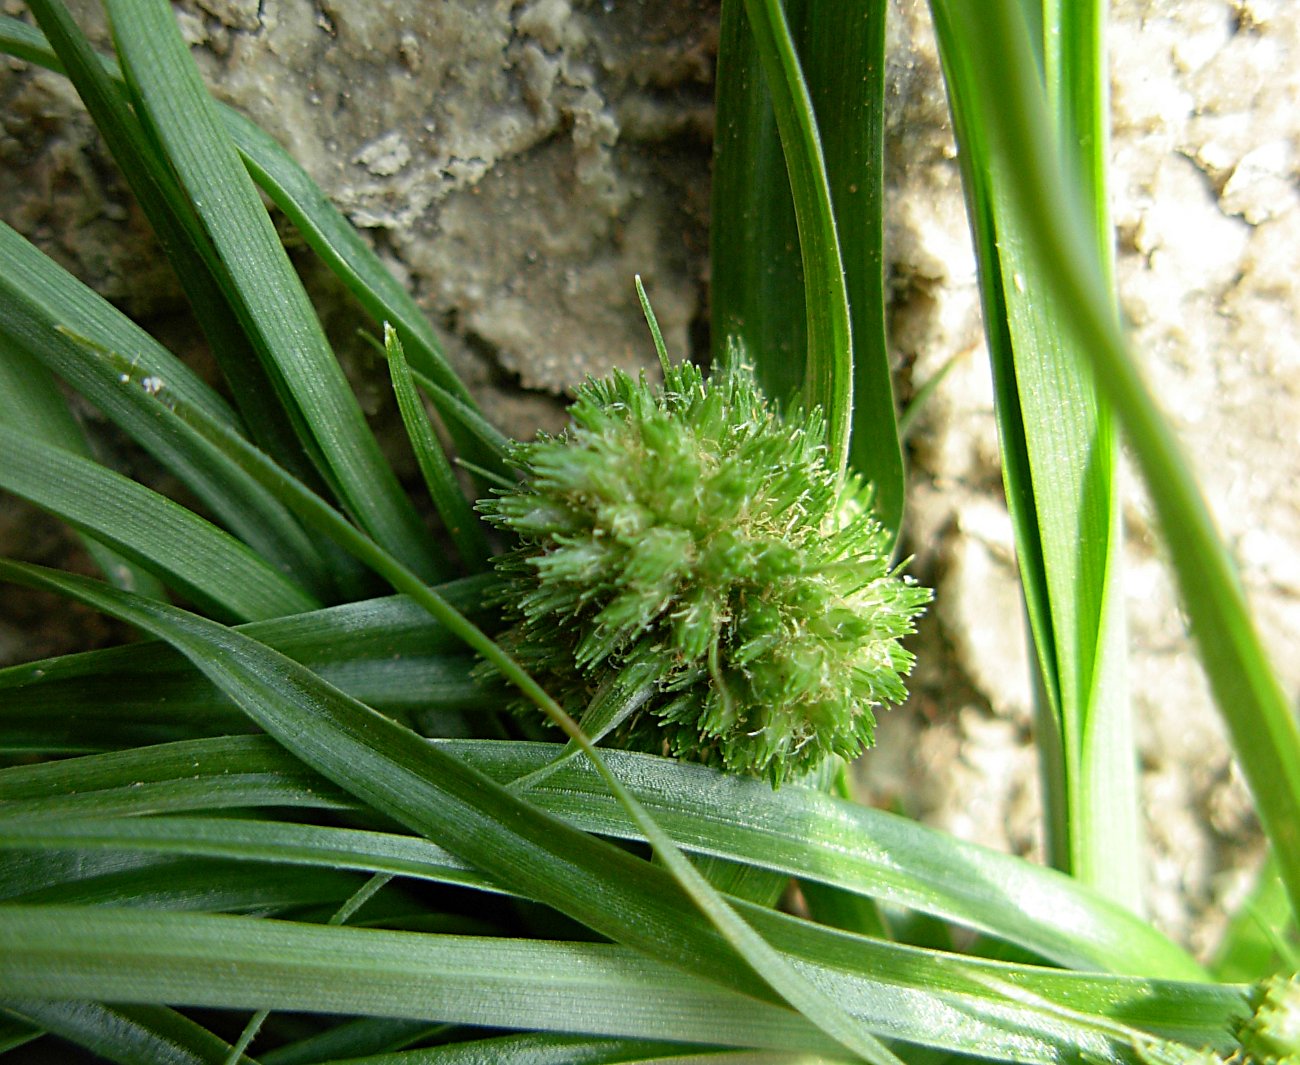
(51, 317)
(154, 186)
(842, 49)
(148, 528)
(462, 524)
(756, 282)
(273, 307)
(234, 962)
(447, 800)
(829, 375)
(30, 403)
(791, 831)
(239, 962)
(128, 1034)
(1260, 720)
(1059, 468)
(337, 243)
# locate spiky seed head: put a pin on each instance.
(692, 526)
(1272, 1033)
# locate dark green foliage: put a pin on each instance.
(693, 529)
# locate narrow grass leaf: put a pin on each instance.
(1107, 834)
(895, 966)
(874, 979)
(154, 186)
(1060, 440)
(795, 831)
(351, 1039)
(1078, 100)
(545, 1048)
(351, 904)
(206, 774)
(24, 41)
(55, 319)
(270, 301)
(371, 628)
(341, 248)
(77, 724)
(790, 982)
(652, 323)
(921, 396)
(841, 46)
(757, 291)
(243, 962)
(30, 404)
(1016, 479)
(42, 301)
(386, 652)
(179, 547)
(756, 284)
(390, 768)
(237, 962)
(1261, 939)
(1260, 719)
(112, 711)
(828, 380)
(34, 869)
(458, 518)
(246, 963)
(618, 697)
(842, 909)
(240, 790)
(130, 1035)
(200, 886)
(804, 832)
(491, 443)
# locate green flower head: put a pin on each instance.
(692, 534)
(1272, 1033)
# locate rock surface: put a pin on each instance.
(516, 163)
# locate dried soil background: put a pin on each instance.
(516, 163)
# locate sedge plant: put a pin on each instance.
(329, 787)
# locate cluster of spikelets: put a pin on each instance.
(1271, 1036)
(691, 534)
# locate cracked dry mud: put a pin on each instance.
(516, 163)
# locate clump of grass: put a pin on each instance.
(294, 797)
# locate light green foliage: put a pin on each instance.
(693, 528)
